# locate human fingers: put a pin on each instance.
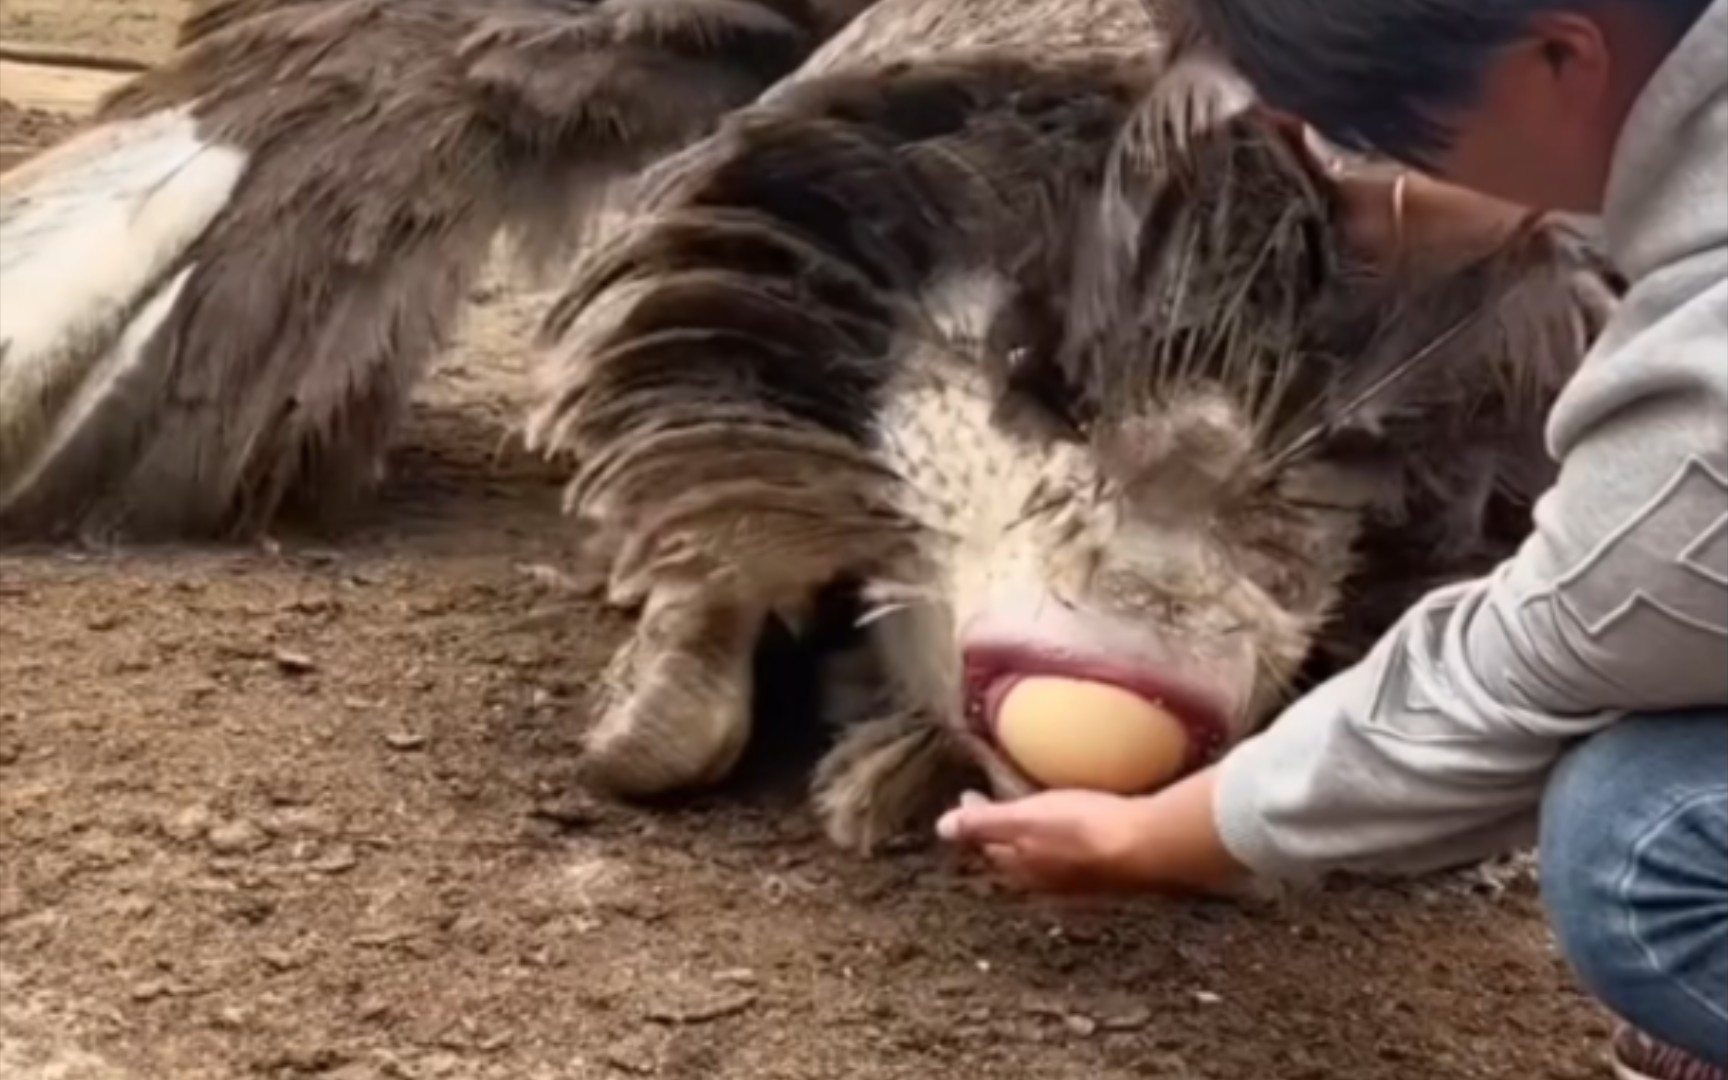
(979, 822)
(1369, 214)
(1287, 124)
(1409, 215)
(1010, 867)
(1460, 222)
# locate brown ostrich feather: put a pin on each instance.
(388, 143)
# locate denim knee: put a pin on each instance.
(1634, 851)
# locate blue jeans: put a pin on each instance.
(1634, 850)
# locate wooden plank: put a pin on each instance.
(26, 52)
(75, 91)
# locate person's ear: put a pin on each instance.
(1572, 51)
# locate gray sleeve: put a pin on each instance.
(1435, 748)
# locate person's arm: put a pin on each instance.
(1435, 748)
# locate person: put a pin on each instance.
(1577, 695)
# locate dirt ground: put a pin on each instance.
(142, 29)
(308, 812)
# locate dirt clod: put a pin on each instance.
(702, 1012)
(338, 860)
(189, 824)
(239, 837)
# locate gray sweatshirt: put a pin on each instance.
(1434, 749)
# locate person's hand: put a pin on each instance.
(1396, 219)
(1408, 221)
(1055, 841)
(1083, 842)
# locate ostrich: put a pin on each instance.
(1034, 341)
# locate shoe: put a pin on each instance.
(1639, 1057)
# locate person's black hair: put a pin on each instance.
(1375, 75)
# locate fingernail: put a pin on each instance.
(973, 798)
(948, 826)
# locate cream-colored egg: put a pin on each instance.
(1072, 733)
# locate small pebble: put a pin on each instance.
(279, 959)
(294, 663)
(230, 1017)
(299, 821)
(189, 824)
(634, 1056)
(405, 740)
(569, 812)
(338, 860)
(149, 991)
(702, 1012)
(237, 838)
(1083, 1026)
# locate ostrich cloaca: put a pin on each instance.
(1005, 331)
